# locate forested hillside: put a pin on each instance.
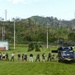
(35, 29)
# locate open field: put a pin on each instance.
(34, 68)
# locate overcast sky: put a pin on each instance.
(62, 9)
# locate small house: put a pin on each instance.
(4, 45)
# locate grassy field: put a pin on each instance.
(34, 68)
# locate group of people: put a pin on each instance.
(25, 57)
(5, 56)
(37, 57)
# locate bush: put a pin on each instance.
(37, 47)
(33, 46)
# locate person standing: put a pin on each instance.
(49, 57)
(38, 57)
(43, 57)
(19, 56)
(7, 58)
(23, 57)
(31, 58)
(0, 56)
(3, 56)
(12, 56)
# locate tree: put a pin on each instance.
(33, 46)
(71, 36)
(37, 47)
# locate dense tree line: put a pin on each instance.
(34, 29)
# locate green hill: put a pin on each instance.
(34, 29)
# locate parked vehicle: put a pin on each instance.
(65, 53)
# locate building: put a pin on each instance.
(4, 45)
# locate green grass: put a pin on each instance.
(34, 68)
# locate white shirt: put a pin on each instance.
(12, 54)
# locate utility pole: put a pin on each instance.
(2, 34)
(5, 14)
(73, 27)
(3, 27)
(14, 33)
(47, 35)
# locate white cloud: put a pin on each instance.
(23, 1)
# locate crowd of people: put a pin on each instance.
(25, 57)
